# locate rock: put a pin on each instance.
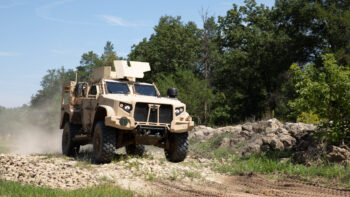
(237, 128)
(244, 133)
(247, 126)
(251, 148)
(338, 154)
(276, 144)
(298, 130)
(274, 123)
(287, 140)
(260, 126)
(260, 136)
(268, 138)
(225, 143)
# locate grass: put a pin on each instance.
(265, 164)
(210, 149)
(193, 174)
(8, 188)
(269, 163)
(151, 176)
(174, 175)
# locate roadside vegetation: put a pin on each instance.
(8, 188)
(275, 164)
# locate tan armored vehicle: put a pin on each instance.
(114, 111)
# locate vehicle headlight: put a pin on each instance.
(126, 107)
(179, 110)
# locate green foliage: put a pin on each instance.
(8, 188)
(191, 91)
(309, 118)
(317, 27)
(268, 164)
(211, 149)
(174, 46)
(220, 115)
(255, 60)
(324, 90)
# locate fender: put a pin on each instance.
(110, 111)
(102, 111)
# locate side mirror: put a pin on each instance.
(172, 92)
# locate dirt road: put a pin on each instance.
(151, 175)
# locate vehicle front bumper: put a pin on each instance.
(174, 127)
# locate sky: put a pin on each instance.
(38, 35)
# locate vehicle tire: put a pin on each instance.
(178, 147)
(135, 149)
(104, 143)
(69, 148)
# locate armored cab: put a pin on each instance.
(114, 110)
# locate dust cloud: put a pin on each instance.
(31, 130)
(36, 141)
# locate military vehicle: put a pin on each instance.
(114, 111)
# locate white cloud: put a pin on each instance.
(44, 12)
(7, 54)
(114, 20)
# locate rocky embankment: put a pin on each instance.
(253, 137)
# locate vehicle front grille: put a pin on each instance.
(142, 110)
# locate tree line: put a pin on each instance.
(234, 67)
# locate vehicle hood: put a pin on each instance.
(144, 99)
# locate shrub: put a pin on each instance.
(324, 92)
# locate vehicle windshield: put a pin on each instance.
(117, 88)
(147, 90)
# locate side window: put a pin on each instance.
(93, 90)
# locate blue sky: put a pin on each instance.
(37, 35)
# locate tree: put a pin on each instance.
(316, 27)
(89, 61)
(174, 46)
(191, 90)
(109, 55)
(210, 54)
(324, 91)
(254, 62)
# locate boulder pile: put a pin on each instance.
(252, 137)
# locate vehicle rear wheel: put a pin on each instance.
(178, 147)
(104, 142)
(135, 149)
(69, 148)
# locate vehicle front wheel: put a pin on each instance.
(135, 149)
(104, 142)
(178, 147)
(69, 148)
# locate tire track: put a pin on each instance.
(248, 185)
